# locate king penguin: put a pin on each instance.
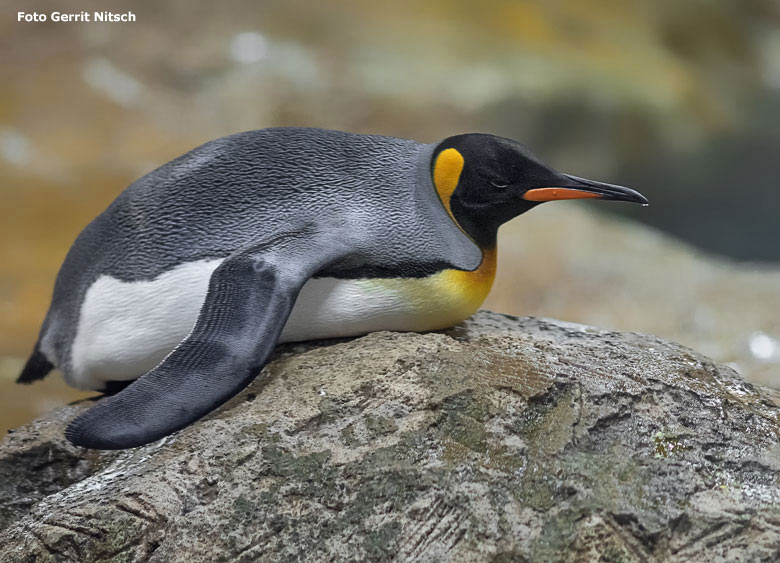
(176, 295)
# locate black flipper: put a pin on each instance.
(37, 367)
(249, 299)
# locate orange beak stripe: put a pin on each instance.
(550, 194)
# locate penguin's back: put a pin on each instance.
(219, 196)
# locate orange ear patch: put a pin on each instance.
(551, 194)
(446, 173)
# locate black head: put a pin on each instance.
(484, 181)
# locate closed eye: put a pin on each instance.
(498, 184)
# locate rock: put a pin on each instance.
(502, 439)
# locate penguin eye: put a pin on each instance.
(498, 184)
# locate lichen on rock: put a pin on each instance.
(502, 439)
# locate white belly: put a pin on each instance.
(126, 328)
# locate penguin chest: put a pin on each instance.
(328, 308)
(127, 328)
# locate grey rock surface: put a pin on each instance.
(502, 439)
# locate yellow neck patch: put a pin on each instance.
(446, 173)
(437, 301)
(473, 286)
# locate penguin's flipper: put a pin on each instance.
(249, 299)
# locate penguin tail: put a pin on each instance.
(37, 367)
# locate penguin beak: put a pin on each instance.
(573, 187)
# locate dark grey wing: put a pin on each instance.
(249, 299)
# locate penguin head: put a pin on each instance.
(484, 181)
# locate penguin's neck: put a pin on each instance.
(481, 230)
(447, 169)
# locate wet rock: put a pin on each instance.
(502, 439)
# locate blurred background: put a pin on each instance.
(680, 100)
